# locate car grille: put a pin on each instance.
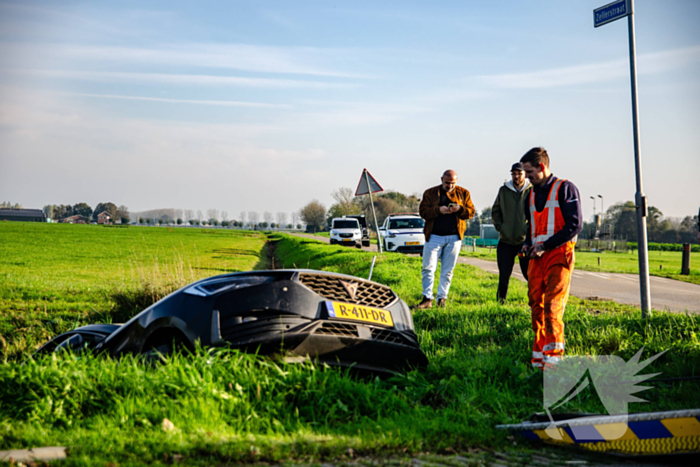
(337, 329)
(342, 235)
(387, 335)
(368, 293)
(237, 332)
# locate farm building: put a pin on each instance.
(22, 215)
(104, 218)
(77, 219)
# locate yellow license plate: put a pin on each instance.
(366, 314)
(412, 243)
(347, 239)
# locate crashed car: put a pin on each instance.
(331, 318)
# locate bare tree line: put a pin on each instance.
(212, 216)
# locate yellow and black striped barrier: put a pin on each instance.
(650, 433)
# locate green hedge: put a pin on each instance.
(665, 247)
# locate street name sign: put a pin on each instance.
(611, 12)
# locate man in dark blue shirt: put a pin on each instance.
(554, 214)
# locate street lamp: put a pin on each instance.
(602, 209)
(593, 198)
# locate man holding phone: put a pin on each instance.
(445, 208)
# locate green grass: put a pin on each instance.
(661, 263)
(54, 277)
(231, 407)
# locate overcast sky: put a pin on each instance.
(265, 105)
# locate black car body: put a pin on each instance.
(331, 318)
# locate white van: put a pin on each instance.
(346, 231)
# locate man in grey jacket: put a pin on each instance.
(508, 214)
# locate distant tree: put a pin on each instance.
(191, 221)
(199, 215)
(224, 215)
(82, 209)
(281, 217)
(267, 216)
(253, 217)
(225, 223)
(189, 215)
(314, 215)
(48, 210)
(212, 214)
(346, 203)
(62, 211)
(290, 226)
(123, 214)
(213, 222)
(485, 216)
(242, 217)
(295, 217)
(141, 220)
(299, 226)
(179, 221)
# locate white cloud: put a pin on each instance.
(255, 58)
(597, 72)
(182, 79)
(185, 101)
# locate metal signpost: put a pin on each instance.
(603, 15)
(369, 185)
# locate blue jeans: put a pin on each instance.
(443, 248)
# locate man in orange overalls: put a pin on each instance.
(554, 214)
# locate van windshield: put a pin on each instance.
(406, 223)
(346, 224)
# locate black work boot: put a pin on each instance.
(442, 302)
(424, 304)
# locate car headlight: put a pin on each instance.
(392, 234)
(333, 232)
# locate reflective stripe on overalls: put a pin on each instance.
(549, 278)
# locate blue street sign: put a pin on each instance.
(611, 12)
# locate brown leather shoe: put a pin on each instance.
(442, 302)
(425, 304)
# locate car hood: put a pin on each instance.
(403, 232)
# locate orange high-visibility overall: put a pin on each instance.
(549, 278)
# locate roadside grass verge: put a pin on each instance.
(661, 263)
(55, 277)
(232, 407)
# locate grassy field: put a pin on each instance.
(54, 277)
(227, 407)
(661, 263)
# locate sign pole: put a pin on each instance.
(640, 199)
(604, 15)
(371, 203)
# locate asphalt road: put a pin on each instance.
(666, 294)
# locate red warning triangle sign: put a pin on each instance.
(363, 188)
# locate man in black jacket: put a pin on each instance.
(509, 218)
